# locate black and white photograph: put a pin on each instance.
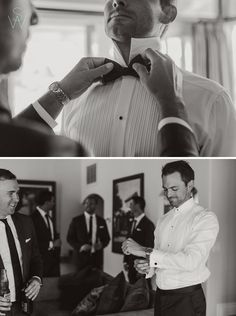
(186, 253)
(117, 157)
(118, 78)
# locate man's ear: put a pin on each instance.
(190, 185)
(168, 14)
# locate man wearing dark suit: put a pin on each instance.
(19, 253)
(48, 241)
(88, 235)
(142, 231)
(28, 134)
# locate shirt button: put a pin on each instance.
(120, 118)
(155, 263)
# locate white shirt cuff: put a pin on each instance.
(150, 273)
(156, 258)
(44, 114)
(171, 120)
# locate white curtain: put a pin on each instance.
(212, 54)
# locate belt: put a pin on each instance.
(182, 290)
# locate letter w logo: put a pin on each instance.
(17, 18)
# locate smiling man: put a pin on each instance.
(121, 118)
(19, 253)
(183, 240)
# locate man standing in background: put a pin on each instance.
(142, 231)
(48, 241)
(88, 235)
(19, 253)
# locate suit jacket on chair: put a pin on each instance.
(78, 236)
(32, 262)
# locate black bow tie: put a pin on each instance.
(119, 71)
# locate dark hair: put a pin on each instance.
(6, 175)
(44, 196)
(140, 201)
(181, 166)
(165, 3)
(91, 197)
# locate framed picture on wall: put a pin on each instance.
(123, 191)
(29, 189)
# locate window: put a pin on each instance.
(234, 60)
(180, 50)
(55, 47)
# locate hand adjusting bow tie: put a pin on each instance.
(119, 71)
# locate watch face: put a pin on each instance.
(53, 86)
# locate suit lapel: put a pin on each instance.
(84, 227)
(140, 224)
(43, 225)
(21, 237)
(1, 263)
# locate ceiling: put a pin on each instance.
(188, 9)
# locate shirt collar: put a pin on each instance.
(42, 212)
(138, 46)
(8, 218)
(185, 206)
(87, 215)
(138, 219)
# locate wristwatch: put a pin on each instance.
(148, 252)
(60, 95)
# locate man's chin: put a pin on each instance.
(12, 66)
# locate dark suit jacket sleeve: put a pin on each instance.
(149, 235)
(175, 140)
(36, 264)
(30, 114)
(105, 237)
(32, 262)
(42, 236)
(74, 233)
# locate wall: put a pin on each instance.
(67, 175)
(221, 287)
(108, 170)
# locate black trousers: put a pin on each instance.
(51, 263)
(187, 301)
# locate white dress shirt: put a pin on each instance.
(183, 240)
(122, 118)
(6, 255)
(43, 214)
(94, 228)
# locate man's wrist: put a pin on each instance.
(173, 107)
(148, 252)
(59, 92)
(37, 278)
